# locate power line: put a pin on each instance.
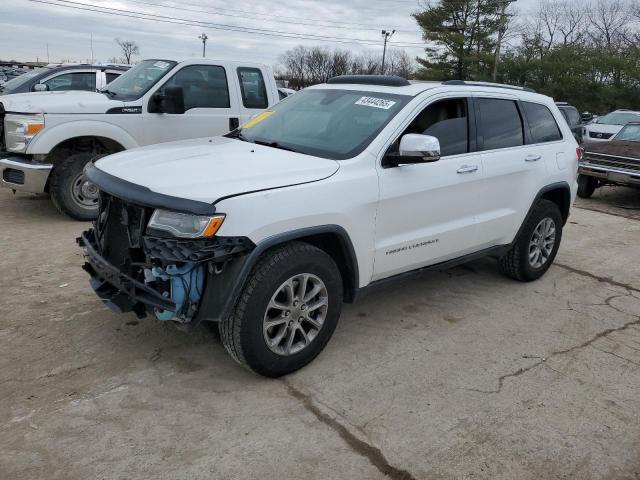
(275, 18)
(217, 26)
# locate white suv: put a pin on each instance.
(331, 192)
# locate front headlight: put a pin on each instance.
(20, 129)
(185, 225)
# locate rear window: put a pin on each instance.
(254, 91)
(111, 76)
(500, 124)
(542, 125)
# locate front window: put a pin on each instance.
(72, 81)
(618, 118)
(137, 81)
(17, 82)
(630, 133)
(333, 124)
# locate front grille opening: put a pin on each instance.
(11, 175)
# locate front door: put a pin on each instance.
(427, 212)
(209, 104)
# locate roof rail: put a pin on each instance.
(381, 80)
(488, 84)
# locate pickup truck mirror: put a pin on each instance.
(170, 100)
(40, 87)
(414, 148)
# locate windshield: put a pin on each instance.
(22, 79)
(618, 118)
(333, 124)
(137, 81)
(629, 133)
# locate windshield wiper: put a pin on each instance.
(275, 145)
(109, 93)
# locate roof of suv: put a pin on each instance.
(401, 86)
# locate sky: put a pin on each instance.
(27, 27)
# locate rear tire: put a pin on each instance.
(71, 192)
(536, 246)
(586, 186)
(294, 292)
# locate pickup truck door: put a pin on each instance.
(427, 212)
(210, 102)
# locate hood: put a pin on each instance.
(619, 148)
(208, 170)
(59, 102)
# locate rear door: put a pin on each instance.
(208, 101)
(514, 155)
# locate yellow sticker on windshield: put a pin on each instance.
(257, 119)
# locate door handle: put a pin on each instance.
(467, 169)
(532, 158)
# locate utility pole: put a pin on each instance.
(386, 35)
(204, 38)
(501, 31)
(91, 43)
(48, 61)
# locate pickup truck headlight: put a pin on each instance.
(185, 225)
(20, 130)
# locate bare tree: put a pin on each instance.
(129, 49)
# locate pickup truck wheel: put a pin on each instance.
(72, 193)
(586, 186)
(287, 311)
(536, 246)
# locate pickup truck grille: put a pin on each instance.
(613, 162)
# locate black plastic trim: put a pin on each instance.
(382, 283)
(242, 275)
(131, 110)
(476, 84)
(140, 195)
(380, 80)
(548, 188)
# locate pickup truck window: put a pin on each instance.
(112, 76)
(327, 123)
(139, 80)
(630, 133)
(203, 86)
(72, 81)
(500, 123)
(254, 91)
(541, 123)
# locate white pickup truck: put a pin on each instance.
(47, 138)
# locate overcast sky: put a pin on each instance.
(26, 27)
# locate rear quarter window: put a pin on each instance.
(542, 124)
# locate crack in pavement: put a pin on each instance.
(586, 343)
(371, 453)
(598, 278)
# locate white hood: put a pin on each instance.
(209, 169)
(59, 102)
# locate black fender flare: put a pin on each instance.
(240, 272)
(562, 186)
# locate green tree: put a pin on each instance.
(461, 37)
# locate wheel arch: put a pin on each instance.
(332, 239)
(558, 193)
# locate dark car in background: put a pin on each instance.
(573, 118)
(64, 77)
(616, 162)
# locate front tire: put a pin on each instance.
(71, 192)
(586, 186)
(287, 311)
(536, 246)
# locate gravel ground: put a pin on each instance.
(460, 374)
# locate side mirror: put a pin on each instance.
(414, 148)
(171, 101)
(40, 87)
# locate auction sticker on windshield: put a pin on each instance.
(376, 102)
(161, 64)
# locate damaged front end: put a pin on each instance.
(136, 268)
